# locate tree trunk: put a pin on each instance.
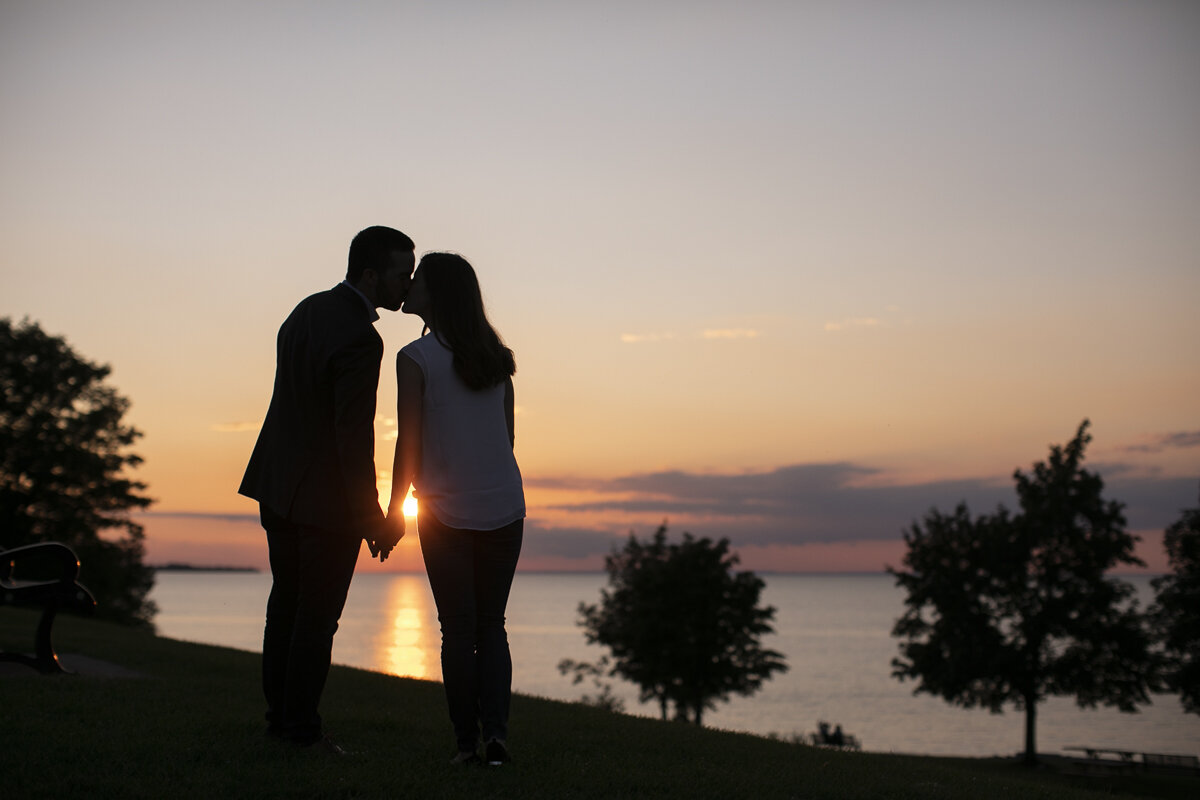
(1030, 732)
(699, 710)
(662, 703)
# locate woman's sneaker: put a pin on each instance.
(465, 758)
(496, 753)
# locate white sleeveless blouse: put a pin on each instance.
(468, 475)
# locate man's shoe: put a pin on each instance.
(466, 757)
(325, 747)
(497, 753)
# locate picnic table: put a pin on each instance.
(1108, 760)
(1100, 752)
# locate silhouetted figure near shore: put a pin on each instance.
(313, 474)
(455, 446)
(824, 737)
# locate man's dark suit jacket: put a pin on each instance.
(314, 462)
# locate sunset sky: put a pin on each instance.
(786, 272)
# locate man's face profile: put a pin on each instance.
(392, 284)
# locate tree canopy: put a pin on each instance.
(63, 455)
(1176, 612)
(1013, 608)
(681, 624)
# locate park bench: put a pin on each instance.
(61, 593)
(835, 739)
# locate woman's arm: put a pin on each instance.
(510, 412)
(410, 387)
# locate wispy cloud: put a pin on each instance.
(638, 338)
(792, 504)
(234, 427)
(731, 333)
(708, 333)
(826, 502)
(1167, 441)
(802, 504)
(853, 322)
(550, 540)
(200, 515)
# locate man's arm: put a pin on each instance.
(356, 381)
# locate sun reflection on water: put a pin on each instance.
(410, 645)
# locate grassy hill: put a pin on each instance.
(191, 726)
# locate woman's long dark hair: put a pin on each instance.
(460, 323)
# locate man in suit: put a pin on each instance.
(313, 473)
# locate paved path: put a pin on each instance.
(81, 665)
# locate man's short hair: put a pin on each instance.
(372, 248)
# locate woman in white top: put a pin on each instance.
(455, 446)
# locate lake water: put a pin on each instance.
(835, 631)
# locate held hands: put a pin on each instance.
(387, 535)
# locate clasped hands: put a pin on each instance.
(387, 535)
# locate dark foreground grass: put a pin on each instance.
(192, 728)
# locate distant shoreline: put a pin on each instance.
(176, 567)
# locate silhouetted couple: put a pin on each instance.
(313, 474)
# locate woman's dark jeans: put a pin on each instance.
(471, 573)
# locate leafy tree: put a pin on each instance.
(1176, 612)
(1015, 608)
(581, 671)
(681, 624)
(63, 451)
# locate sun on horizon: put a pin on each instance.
(410, 505)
